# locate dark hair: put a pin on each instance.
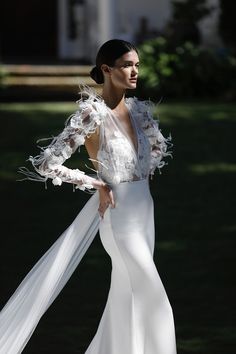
(108, 53)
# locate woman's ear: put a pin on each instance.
(105, 69)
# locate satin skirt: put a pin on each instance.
(137, 318)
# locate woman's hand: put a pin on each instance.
(105, 195)
(106, 199)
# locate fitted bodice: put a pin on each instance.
(119, 160)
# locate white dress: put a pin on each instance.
(137, 318)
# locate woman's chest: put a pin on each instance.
(129, 147)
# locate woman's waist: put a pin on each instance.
(117, 178)
(133, 183)
(131, 192)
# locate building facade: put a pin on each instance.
(72, 30)
(94, 22)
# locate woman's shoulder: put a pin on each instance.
(140, 105)
(91, 100)
(142, 109)
(91, 109)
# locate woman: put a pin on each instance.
(126, 146)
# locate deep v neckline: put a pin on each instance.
(133, 142)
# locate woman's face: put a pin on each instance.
(124, 73)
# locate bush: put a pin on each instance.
(184, 71)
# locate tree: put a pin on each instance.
(227, 26)
(186, 14)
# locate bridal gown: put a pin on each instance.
(137, 318)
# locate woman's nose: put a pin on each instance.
(135, 69)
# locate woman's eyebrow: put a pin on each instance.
(125, 62)
(130, 62)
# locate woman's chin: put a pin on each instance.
(132, 85)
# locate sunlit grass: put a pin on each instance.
(48, 107)
(202, 169)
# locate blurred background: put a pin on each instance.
(186, 47)
(187, 51)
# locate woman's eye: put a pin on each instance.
(127, 65)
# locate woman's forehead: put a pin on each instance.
(131, 56)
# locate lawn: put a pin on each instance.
(195, 223)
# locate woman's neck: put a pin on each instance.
(114, 98)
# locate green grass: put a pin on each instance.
(195, 223)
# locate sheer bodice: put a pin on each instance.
(118, 159)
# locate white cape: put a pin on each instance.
(47, 278)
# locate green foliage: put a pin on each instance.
(184, 71)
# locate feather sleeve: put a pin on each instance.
(49, 163)
(160, 146)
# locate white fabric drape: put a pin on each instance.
(47, 278)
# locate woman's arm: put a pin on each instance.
(160, 146)
(49, 163)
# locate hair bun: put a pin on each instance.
(97, 75)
